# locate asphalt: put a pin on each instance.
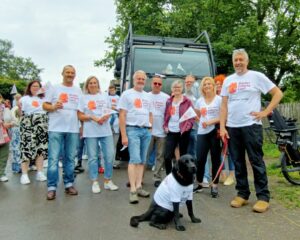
(26, 214)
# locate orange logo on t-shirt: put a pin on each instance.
(172, 110)
(63, 97)
(203, 112)
(113, 100)
(232, 87)
(138, 103)
(91, 105)
(35, 104)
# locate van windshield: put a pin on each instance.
(172, 61)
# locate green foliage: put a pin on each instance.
(15, 67)
(7, 84)
(267, 29)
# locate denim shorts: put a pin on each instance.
(138, 143)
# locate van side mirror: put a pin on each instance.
(118, 67)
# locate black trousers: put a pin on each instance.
(172, 140)
(205, 143)
(249, 139)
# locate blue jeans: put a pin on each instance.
(192, 148)
(138, 143)
(230, 163)
(56, 140)
(107, 147)
(81, 150)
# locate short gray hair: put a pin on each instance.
(240, 51)
(177, 82)
(139, 72)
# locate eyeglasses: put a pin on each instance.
(157, 84)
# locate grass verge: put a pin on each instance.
(282, 191)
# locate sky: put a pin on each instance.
(55, 33)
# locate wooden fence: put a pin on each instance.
(290, 110)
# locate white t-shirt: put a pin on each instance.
(208, 112)
(138, 107)
(173, 124)
(170, 191)
(64, 120)
(244, 96)
(158, 102)
(32, 104)
(94, 105)
(114, 100)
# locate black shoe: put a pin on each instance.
(78, 169)
(214, 192)
(157, 183)
(116, 166)
(197, 189)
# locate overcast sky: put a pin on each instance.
(54, 33)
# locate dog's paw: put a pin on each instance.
(180, 228)
(195, 220)
(159, 226)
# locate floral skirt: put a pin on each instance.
(34, 137)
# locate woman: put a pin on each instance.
(15, 136)
(33, 132)
(227, 179)
(96, 128)
(208, 111)
(5, 124)
(177, 133)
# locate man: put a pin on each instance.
(158, 101)
(135, 125)
(114, 120)
(192, 92)
(241, 111)
(62, 104)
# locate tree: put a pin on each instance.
(15, 67)
(267, 29)
(6, 85)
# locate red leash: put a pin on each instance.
(224, 154)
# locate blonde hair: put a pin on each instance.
(209, 79)
(85, 86)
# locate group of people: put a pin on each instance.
(193, 120)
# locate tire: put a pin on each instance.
(287, 170)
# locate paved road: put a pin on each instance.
(26, 214)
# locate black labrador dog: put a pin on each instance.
(175, 190)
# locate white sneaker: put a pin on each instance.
(40, 176)
(205, 183)
(24, 179)
(96, 188)
(45, 163)
(3, 179)
(110, 186)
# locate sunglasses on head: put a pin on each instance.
(157, 84)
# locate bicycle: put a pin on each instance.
(288, 142)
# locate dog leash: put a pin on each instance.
(224, 154)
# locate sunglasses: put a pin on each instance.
(157, 84)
